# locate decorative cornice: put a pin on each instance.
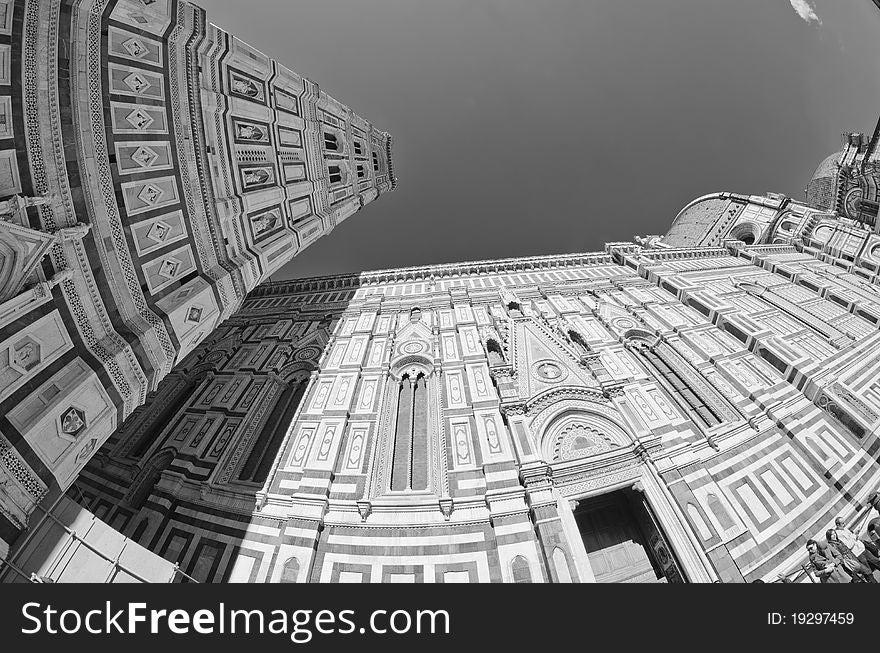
(426, 272)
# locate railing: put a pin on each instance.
(796, 574)
(76, 539)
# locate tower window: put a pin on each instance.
(331, 142)
(335, 174)
(358, 148)
(258, 464)
(375, 162)
(361, 172)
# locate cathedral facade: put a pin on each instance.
(153, 171)
(685, 408)
(682, 408)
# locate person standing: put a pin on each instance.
(851, 564)
(857, 546)
(827, 562)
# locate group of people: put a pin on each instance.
(844, 557)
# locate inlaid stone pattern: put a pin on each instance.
(162, 225)
(563, 378)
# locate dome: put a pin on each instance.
(820, 190)
(702, 222)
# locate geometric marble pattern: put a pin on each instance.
(139, 119)
(150, 194)
(144, 156)
(137, 83)
(169, 268)
(159, 231)
(135, 47)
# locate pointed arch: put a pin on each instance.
(560, 562)
(148, 477)
(685, 385)
(290, 571)
(519, 570)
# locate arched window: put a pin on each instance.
(149, 476)
(493, 350)
(519, 570)
(290, 571)
(409, 469)
(156, 415)
(700, 400)
(415, 315)
(560, 561)
(259, 462)
(515, 309)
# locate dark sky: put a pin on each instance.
(524, 127)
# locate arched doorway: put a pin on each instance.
(622, 537)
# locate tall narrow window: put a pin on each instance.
(519, 570)
(335, 174)
(361, 171)
(689, 397)
(156, 420)
(331, 142)
(375, 162)
(259, 462)
(358, 148)
(143, 486)
(409, 469)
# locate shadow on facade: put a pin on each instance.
(185, 472)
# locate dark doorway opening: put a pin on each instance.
(624, 541)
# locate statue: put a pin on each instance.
(17, 203)
(76, 232)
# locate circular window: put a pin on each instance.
(852, 203)
(413, 348)
(745, 232)
(550, 372)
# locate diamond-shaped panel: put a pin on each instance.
(159, 232)
(144, 156)
(135, 47)
(169, 268)
(139, 119)
(150, 194)
(137, 82)
(194, 314)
